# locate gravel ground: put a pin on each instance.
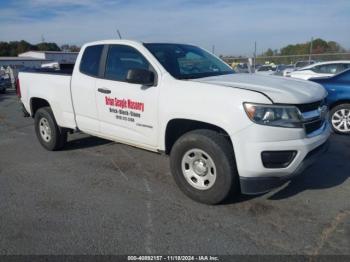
(101, 197)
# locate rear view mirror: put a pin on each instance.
(140, 76)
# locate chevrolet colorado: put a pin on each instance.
(225, 133)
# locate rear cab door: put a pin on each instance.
(83, 88)
(127, 112)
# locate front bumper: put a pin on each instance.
(257, 185)
(249, 144)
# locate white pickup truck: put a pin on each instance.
(226, 133)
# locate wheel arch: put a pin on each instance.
(37, 103)
(339, 102)
(177, 127)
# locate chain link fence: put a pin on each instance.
(289, 59)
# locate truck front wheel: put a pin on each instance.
(49, 134)
(203, 166)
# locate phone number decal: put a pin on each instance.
(173, 258)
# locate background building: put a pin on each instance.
(52, 56)
(34, 59)
(21, 62)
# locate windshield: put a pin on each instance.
(187, 61)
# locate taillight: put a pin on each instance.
(18, 88)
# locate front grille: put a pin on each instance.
(313, 126)
(309, 107)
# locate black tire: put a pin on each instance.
(58, 137)
(332, 116)
(219, 149)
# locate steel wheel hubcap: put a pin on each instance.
(45, 129)
(341, 120)
(198, 169)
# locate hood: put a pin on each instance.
(278, 89)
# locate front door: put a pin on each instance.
(127, 112)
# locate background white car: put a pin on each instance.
(266, 70)
(321, 69)
(296, 66)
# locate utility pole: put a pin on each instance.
(213, 49)
(310, 52)
(254, 62)
(42, 39)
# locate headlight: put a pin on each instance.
(274, 115)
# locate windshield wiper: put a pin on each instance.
(202, 75)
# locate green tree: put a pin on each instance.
(335, 47)
(13, 48)
(48, 47)
(269, 52)
(319, 46)
(4, 49)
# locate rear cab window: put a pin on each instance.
(90, 62)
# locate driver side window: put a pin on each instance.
(121, 59)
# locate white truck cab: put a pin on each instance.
(225, 133)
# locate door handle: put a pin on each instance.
(104, 91)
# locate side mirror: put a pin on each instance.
(140, 76)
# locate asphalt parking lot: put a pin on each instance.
(101, 197)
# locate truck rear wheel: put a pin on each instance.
(49, 134)
(203, 166)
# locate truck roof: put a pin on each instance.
(127, 41)
(114, 41)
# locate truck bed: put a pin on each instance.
(64, 71)
(50, 85)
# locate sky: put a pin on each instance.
(231, 25)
